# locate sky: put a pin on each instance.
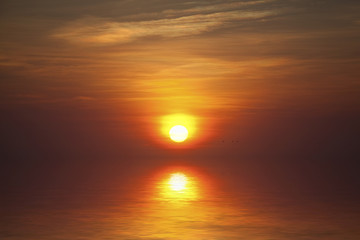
(272, 85)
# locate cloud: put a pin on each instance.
(83, 98)
(91, 30)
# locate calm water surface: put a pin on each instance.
(177, 204)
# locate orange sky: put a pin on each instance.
(260, 73)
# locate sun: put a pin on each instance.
(178, 128)
(178, 133)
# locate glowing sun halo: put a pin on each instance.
(178, 133)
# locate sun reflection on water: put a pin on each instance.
(178, 187)
(178, 181)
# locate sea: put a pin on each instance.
(176, 202)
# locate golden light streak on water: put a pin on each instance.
(178, 187)
(178, 182)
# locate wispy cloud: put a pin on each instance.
(91, 30)
(220, 7)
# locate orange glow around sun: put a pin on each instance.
(181, 131)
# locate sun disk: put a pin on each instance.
(178, 133)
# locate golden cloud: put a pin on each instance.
(91, 30)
